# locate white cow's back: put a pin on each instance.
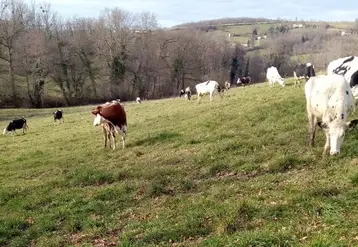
(353, 65)
(328, 95)
(206, 87)
(272, 73)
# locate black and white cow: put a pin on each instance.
(16, 124)
(186, 93)
(58, 115)
(245, 81)
(303, 71)
(348, 67)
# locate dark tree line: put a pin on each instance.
(46, 61)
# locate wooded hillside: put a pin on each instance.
(46, 61)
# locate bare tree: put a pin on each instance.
(14, 18)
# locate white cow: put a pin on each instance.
(329, 100)
(348, 67)
(208, 87)
(273, 76)
(138, 100)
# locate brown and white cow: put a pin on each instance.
(112, 117)
(329, 102)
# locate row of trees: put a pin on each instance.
(46, 61)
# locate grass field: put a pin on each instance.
(233, 172)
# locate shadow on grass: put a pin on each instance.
(161, 137)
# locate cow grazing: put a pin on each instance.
(329, 102)
(208, 87)
(138, 100)
(16, 124)
(58, 115)
(348, 67)
(273, 76)
(245, 81)
(186, 93)
(303, 71)
(112, 117)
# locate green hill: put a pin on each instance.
(233, 172)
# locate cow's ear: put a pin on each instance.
(352, 124)
(322, 125)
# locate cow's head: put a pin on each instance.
(98, 120)
(336, 131)
(281, 81)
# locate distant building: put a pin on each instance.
(297, 26)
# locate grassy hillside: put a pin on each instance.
(244, 31)
(233, 172)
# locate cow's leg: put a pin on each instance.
(124, 134)
(104, 136)
(271, 83)
(211, 96)
(326, 146)
(109, 136)
(123, 138)
(312, 124)
(199, 97)
(113, 136)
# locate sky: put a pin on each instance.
(174, 12)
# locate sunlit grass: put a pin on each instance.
(233, 172)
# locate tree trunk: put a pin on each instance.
(29, 93)
(93, 81)
(182, 80)
(15, 99)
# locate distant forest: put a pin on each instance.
(46, 61)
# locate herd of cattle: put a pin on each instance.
(330, 99)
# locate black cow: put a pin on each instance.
(58, 115)
(245, 81)
(303, 71)
(16, 124)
